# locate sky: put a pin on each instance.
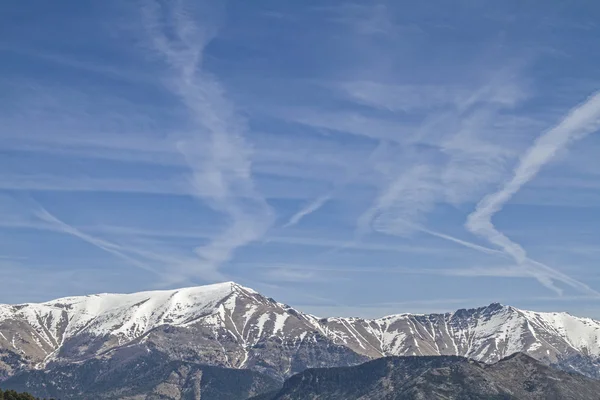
(347, 158)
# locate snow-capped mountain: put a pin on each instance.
(233, 326)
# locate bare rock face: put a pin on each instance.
(228, 325)
(518, 377)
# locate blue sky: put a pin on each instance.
(348, 158)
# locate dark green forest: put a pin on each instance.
(12, 395)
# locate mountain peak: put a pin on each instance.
(223, 288)
(236, 323)
(229, 286)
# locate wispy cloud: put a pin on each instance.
(55, 281)
(308, 209)
(470, 159)
(462, 242)
(452, 157)
(581, 121)
(44, 182)
(402, 203)
(285, 274)
(80, 65)
(410, 97)
(313, 271)
(196, 123)
(364, 19)
(344, 122)
(170, 268)
(218, 153)
(174, 184)
(352, 172)
(116, 250)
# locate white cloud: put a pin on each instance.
(462, 242)
(445, 135)
(308, 209)
(459, 151)
(402, 203)
(581, 121)
(218, 154)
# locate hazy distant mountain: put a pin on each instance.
(517, 377)
(228, 325)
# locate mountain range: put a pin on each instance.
(230, 326)
(441, 378)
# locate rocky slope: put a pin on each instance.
(518, 377)
(229, 325)
(148, 376)
(223, 325)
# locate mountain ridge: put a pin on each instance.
(517, 377)
(232, 326)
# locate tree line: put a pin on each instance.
(12, 395)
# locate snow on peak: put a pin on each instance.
(489, 332)
(582, 334)
(128, 315)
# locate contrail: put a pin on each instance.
(309, 209)
(107, 246)
(581, 121)
(216, 151)
(320, 201)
